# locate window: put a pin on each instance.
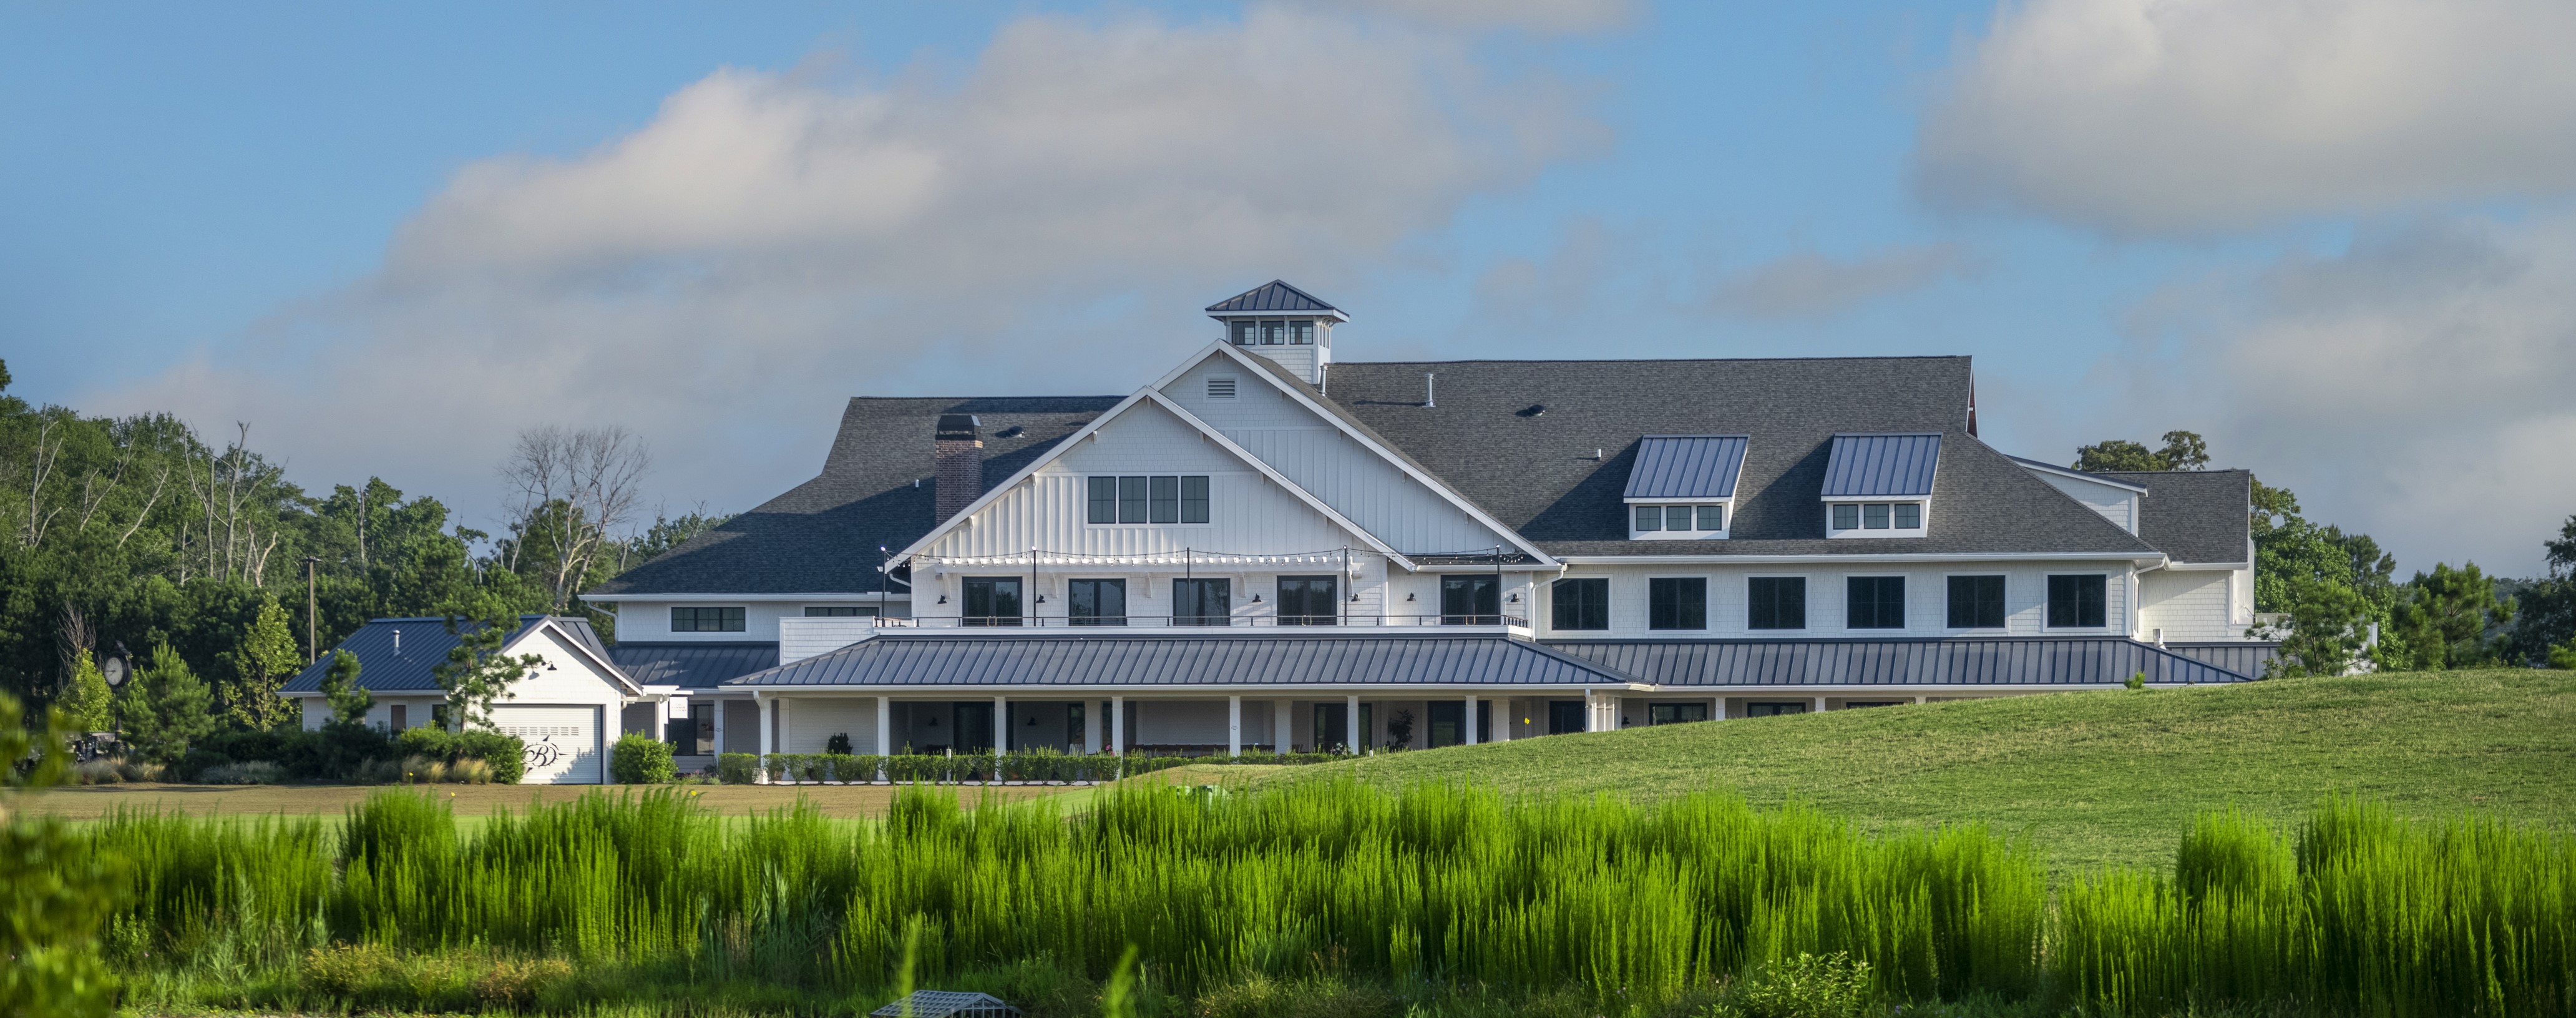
(1776, 602)
(1301, 332)
(1712, 517)
(1471, 601)
(1858, 704)
(1675, 713)
(1873, 516)
(1677, 517)
(1976, 602)
(1274, 333)
(1846, 517)
(1773, 709)
(1202, 602)
(706, 620)
(1564, 717)
(702, 728)
(1877, 516)
(1909, 516)
(1581, 604)
(1677, 603)
(399, 716)
(992, 601)
(2078, 602)
(1874, 602)
(1162, 499)
(1309, 600)
(1096, 602)
(1220, 387)
(1446, 724)
(1242, 333)
(1650, 518)
(839, 611)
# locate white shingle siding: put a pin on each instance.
(2116, 504)
(2188, 606)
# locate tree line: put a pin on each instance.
(138, 537)
(2343, 608)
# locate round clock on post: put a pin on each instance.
(114, 668)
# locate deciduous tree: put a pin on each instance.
(261, 664)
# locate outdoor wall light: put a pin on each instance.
(1256, 599)
(1408, 598)
(1515, 599)
(934, 723)
(1355, 599)
(943, 599)
(1041, 599)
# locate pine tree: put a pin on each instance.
(349, 701)
(263, 662)
(167, 708)
(87, 702)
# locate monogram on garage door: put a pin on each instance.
(563, 743)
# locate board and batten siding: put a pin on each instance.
(1926, 599)
(1356, 481)
(2188, 605)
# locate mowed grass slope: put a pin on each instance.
(2095, 777)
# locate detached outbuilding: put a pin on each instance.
(567, 709)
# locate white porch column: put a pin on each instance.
(1717, 708)
(1091, 727)
(1118, 725)
(1234, 726)
(1001, 726)
(1351, 722)
(1468, 726)
(1820, 705)
(719, 713)
(1283, 733)
(885, 726)
(1921, 700)
(768, 730)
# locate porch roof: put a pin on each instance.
(1269, 659)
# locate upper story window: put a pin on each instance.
(2079, 602)
(1874, 602)
(839, 611)
(1273, 332)
(1775, 602)
(706, 620)
(1165, 498)
(1580, 603)
(1874, 519)
(1677, 602)
(1976, 602)
(1674, 522)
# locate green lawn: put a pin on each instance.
(2095, 777)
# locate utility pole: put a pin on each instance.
(310, 653)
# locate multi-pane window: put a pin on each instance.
(1874, 602)
(2078, 602)
(1976, 602)
(706, 620)
(1096, 602)
(1471, 600)
(1775, 602)
(1273, 332)
(1675, 713)
(1773, 709)
(1678, 518)
(1309, 600)
(839, 611)
(1582, 603)
(1154, 499)
(1202, 602)
(992, 600)
(1677, 602)
(1877, 515)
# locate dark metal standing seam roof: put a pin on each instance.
(1686, 466)
(424, 644)
(1867, 466)
(1273, 296)
(1080, 661)
(692, 665)
(1948, 662)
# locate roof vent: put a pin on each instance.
(1532, 410)
(1014, 431)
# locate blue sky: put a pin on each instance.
(2334, 237)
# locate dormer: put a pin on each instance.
(1283, 323)
(1881, 485)
(1682, 487)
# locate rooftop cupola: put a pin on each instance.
(1283, 323)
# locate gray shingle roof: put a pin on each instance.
(1882, 466)
(1686, 466)
(423, 641)
(2197, 516)
(1266, 660)
(691, 665)
(1273, 296)
(1538, 474)
(822, 536)
(1949, 662)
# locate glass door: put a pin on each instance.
(992, 601)
(1309, 600)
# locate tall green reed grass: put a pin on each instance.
(1627, 904)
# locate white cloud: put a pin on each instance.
(1523, 15)
(2420, 387)
(2183, 116)
(766, 246)
(1808, 285)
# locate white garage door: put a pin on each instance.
(563, 742)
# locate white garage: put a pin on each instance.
(566, 743)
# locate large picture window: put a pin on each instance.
(1164, 498)
(2078, 602)
(1874, 602)
(1580, 604)
(1471, 600)
(1309, 600)
(992, 600)
(1096, 602)
(1202, 602)
(1677, 602)
(706, 620)
(1775, 602)
(1976, 602)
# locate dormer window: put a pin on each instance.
(1273, 331)
(1675, 522)
(1880, 485)
(1682, 487)
(1882, 517)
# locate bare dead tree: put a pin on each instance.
(569, 491)
(47, 454)
(75, 638)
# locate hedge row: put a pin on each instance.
(1039, 767)
(352, 753)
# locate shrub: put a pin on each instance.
(470, 771)
(1806, 986)
(136, 770)
(504, 752)
(642, 760)
(421, 770)
(96, 772)
(737, 768)
(252, 772)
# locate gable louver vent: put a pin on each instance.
(1220, 388)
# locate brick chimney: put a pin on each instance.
(958, 451)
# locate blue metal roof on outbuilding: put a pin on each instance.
(2045, 661)
(1213, 660)
(395, 655)
(1687, 466)
(1873, 466)
(1273, 296)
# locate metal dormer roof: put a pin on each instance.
(1686, 466)
(1882, 466)
(1273, 298)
